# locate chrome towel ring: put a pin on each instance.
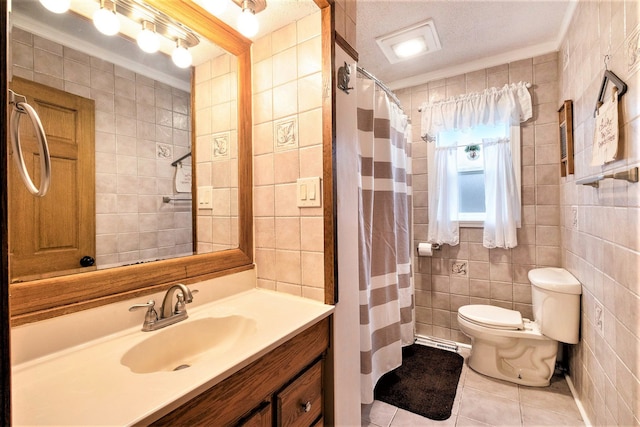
(20, 107)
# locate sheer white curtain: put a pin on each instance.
(509, 105)
(443, 196)
(502, 200)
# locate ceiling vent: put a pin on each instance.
(412, 42)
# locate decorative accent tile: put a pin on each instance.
(164, 151)
(459, 268)
(220, 148)
(632, 45)
(285, 133)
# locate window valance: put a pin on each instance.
(511, 103)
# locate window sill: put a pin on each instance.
(471, 224)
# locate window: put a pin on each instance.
(470, 165)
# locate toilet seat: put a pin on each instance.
(493, 317)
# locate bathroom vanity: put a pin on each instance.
(284, 387)
(249, 356)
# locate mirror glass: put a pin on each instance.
(144, 153)
(59, 293)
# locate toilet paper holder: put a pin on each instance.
(434, 246)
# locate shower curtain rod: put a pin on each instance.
(381, 85)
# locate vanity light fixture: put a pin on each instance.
(247, 21)
(153, 23)
(148, 39)
(105, 18)
(181, 55)
(56, 6)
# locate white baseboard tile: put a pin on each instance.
(439, 343)
(574, 393)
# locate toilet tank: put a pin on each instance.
(556, 303)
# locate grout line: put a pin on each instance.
(574, 394)
(395, 413)
(520, 407)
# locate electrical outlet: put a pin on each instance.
(599, 320)
(574, 217)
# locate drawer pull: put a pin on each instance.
(306, 407)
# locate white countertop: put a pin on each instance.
(87, 385)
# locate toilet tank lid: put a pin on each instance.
(556, 280)
(492, 316)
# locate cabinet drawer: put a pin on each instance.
(259, 418)
(300, 403)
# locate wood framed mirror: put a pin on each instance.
(49, 297)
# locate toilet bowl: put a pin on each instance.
(506, 346)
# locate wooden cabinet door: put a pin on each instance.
(49, 235)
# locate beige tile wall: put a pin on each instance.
(217, 152)
(287, 86)
(345, 20)
(494, 276)
(602, 248)
(133, 114)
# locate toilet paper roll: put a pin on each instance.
(424, 249)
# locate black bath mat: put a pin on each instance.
(425, 384)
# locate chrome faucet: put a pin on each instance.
(169, 313)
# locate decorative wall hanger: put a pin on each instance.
(609, 76)
(344, 75)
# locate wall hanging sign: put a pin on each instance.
(606, 133)
(183, 179)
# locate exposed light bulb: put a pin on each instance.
(148, 39)
(106, 20)
(181, 56)
(56, 6)
(215, 7)
(247, 23)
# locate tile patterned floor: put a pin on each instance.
(484, 401)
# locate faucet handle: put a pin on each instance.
(181, 304)
(149, 304)
(150, 317)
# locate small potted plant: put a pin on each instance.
(473, 151)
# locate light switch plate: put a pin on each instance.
(308, 192)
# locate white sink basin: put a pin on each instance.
(134, 369)
(181, 345)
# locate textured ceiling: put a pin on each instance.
(474, 34)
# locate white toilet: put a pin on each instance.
(508, 347)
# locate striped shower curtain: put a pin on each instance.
(386, 283)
